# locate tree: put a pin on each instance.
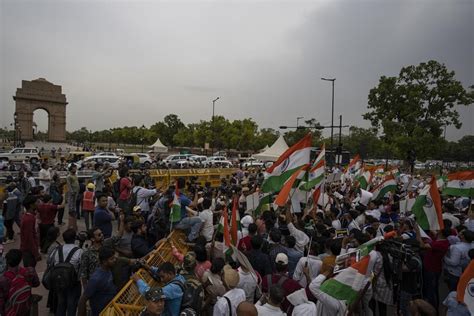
(363, 141)
(292, 137)
(413, 108)
(167, 129)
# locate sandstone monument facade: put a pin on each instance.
(41, 94)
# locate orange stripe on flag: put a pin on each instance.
(285, 191)
(461, 175)
(467, 276)
(233, 232)
(362, 265)
(434, 192)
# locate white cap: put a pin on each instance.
(246, 221)
(281, 258)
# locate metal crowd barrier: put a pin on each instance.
(128, 300)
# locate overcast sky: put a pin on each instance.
(133, 62)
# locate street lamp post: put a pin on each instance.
(297, 120)
(212, 123)
(143, 136)
(332, 109)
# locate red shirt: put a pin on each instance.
(433, 259)
(28, 235)
(47, 213)
(125, 186)
(245, 244)
(289, 286)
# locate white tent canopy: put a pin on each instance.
(274, 152)
(158, 147)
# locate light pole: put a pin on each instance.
(143, 136)
(297, 120)
(15, 125)
(212, 124)
(332, 109)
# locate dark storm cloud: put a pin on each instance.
(142, 60)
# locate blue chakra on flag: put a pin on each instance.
(285, 164)
(462, 184)
(470, 288)
(429, 202)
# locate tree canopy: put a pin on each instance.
(412, 109)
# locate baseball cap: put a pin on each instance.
(281, 258)
(155, 294)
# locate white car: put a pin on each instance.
(106, 153)
(172, 161)
(252, 162)
(21, 154)
(198, 161)
(145, 159)
(112, 160)
(218, 161)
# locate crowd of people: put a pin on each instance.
(277, 265)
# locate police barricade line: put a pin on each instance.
(128, 300)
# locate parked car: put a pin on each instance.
(198, 161)
(172, 161)
(22, 154)
(112, 160)
(252, 162)
(145, 159)
(218, 162)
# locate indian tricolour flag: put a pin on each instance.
(465, 289)
(364, 179)
(388, 185)
(264, 204)
(354, 165)
(175, 205)
(427, 207)
(287, 187)
(460, 184)
(346, 285)
(315, 175)
(288, 163)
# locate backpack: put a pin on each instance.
(63, 275)
(134, 198)
(19, 296)
(116, 189)
(193, 294)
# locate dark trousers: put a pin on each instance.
(43, 232)
(382, 307)
(430, 287)
(9, 226)
(68, 300)
(451, 281)
(60, 215)
(88, 218)
(28, 259)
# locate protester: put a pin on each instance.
(47, 213)
(88, 205)
(103, 217)
(29, 244)
(72, 183)
(100, 289)
(227, 304)
(272, 306)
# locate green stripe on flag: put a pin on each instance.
(419, 211)
(275, 183)
(339, 290)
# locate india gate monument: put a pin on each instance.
(40, 94)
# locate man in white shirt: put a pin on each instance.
(272, 307)
(314, 264)
(44, 176)
(248, 283)
(206, 215)
(227, 304)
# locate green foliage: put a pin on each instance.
(413, 108)
(292, 137)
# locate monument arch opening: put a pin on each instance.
(40, 124)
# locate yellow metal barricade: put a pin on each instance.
(129, 301)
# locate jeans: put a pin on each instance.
(430, 287)
(43, 232)
(88, 218)
(68, 300)
(60, 215)
(71, 203)
(451, 281)
(405, 299)
(192, 223)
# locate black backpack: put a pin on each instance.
(134, 198)
(116, 189)
(193, 294)
(63, 274)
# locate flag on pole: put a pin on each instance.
(263, 204)
(235, 221)
(285, 190)
(465, 287)
(288, 163)
(227, 243)
(460, 184)
(364, 179)
(175, 205)
(427, 207)
(315, 175)
(388, 185)
(346, 285)
(354, 165)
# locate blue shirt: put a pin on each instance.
(173, 294)
(184, 201)
(100, 290)
(103, 220)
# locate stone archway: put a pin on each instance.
(41, 94)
